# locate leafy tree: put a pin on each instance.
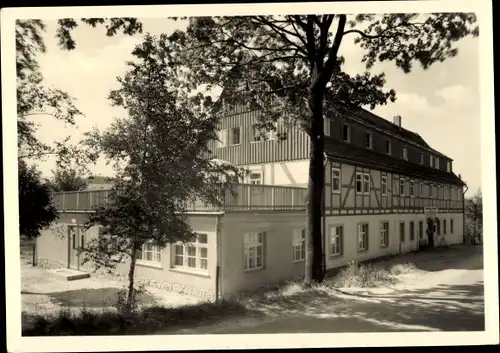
(36, 210)
(67, 180)
(474, 214)
(160, 154)
(291, 69)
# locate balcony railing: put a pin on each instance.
(247, 197)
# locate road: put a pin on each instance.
(445, 294)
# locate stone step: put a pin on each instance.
(69, 274)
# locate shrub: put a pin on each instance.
(361, 276)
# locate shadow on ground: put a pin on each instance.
(442, 308)
(92, 298)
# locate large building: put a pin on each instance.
(386, 192)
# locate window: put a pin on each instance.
(254, 251)
(326, 126)
(438, 226)
(444, 226)
(421, 158)
(421, 189)
(366, 183)
(363, 237)
(431, 190)
(448, 166)
(255, 177)
(384, 184)
(193, 255)
(405, 153)
(257, 135)
(336, 238)
(401, 232)
(439, 194)
(336, 180)
(346, 133)
(445, 190)
(299, 244)
(437, 162)
(412, 231)
(402, 187)
(149, 253)
(431, 161)
(388, 147)
(412, 188)
(235, 136)
(420, 229)
(384, 234)
(362, 183)
(451, 226)
(221, 138)
(368, 140)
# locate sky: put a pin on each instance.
(440, 103)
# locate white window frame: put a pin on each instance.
(334, 169)
(232, 136)
(363, 236)
(257, 135)
(436, 162)
(401, 186)
(349, 137)
(222, 136)
(384, 234)
(252, 242)
(200, 260)
(383, 184)
(336, 238)
(412, 188)
(405, 153)
(359, 179)
(252, 180)
(431, 161)
(369, 136)
(366, 183)
(155, 254)
(299, 245)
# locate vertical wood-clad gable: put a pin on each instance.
(295, 147)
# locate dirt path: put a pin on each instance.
(444, 294)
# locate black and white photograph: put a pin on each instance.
(246, 175)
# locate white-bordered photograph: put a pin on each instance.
(249, 176)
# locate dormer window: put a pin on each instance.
(448, 166)
(437, 162)
(368, 140)
(421, 158)
(346, 133)
(431, 161)
(388, 147)
(405, 153)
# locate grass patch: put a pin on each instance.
(358, 275)
(145, 321)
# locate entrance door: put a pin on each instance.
(76, 239)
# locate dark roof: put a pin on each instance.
(384, 124)
(343, 151)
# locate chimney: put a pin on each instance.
(460, 176)
(397, 120)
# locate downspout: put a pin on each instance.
(463, 212)
(323, 238)
(218, 250)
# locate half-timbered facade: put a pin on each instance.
(381, 180)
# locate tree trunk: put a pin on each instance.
(313, 262)
(33, 260)
(130, 294)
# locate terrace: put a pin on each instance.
(248, 197)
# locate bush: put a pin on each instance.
(121, 300)
(361, 276)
